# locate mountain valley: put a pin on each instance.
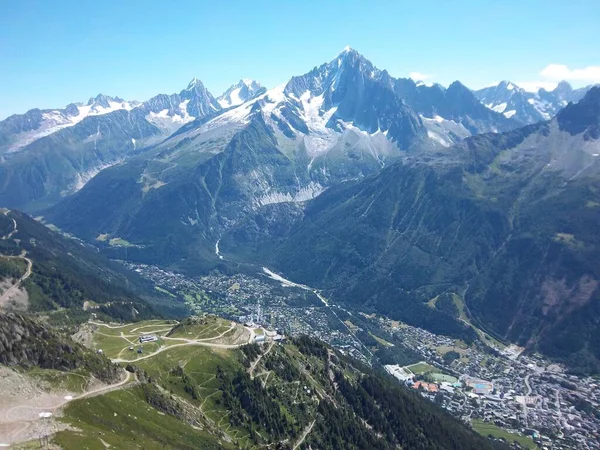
(347, 260)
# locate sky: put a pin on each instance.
(56, 52)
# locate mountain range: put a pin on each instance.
(46, 155)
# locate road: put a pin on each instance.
(527, 385)
(11, 290)
(9, 235)
(558, 410)
(527, 394)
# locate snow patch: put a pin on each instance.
(438, 138)
(233, 99)
(498, 108)
(83, 178)
(320, 138)
(170, 122)
(509, 114)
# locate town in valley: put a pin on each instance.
(500, 390)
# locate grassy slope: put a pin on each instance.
(250, 397)
(124, 420)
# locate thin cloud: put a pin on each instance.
(562, 72)
(418, 76)
(553, 73)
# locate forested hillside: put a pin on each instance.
(67, 275)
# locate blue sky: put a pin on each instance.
(56, 52)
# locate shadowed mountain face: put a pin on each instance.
(66, 273)
(507, 220)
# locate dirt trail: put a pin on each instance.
(255, 363)
(169, 347)
(16, 420)
(305, 433)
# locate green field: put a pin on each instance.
(489, 429)
(118, 242)
(460, 306)
(432, 303)
(420, 368)
(442, 377)
(164, 291)
(381, 340)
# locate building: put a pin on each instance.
(148, 338)
(480, 387)
(429, 387)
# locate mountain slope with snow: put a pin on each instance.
(528, 107)
(85, 139)
(19, 130)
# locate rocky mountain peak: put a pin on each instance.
(100, 100)
(582, 117)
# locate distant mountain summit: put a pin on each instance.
(528, 107)
(240, 93)
(200, 101)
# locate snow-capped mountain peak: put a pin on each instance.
(194, 83)
(347, 49)
(241, 92)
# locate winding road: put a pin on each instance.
(5, 297)
(304, 434)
